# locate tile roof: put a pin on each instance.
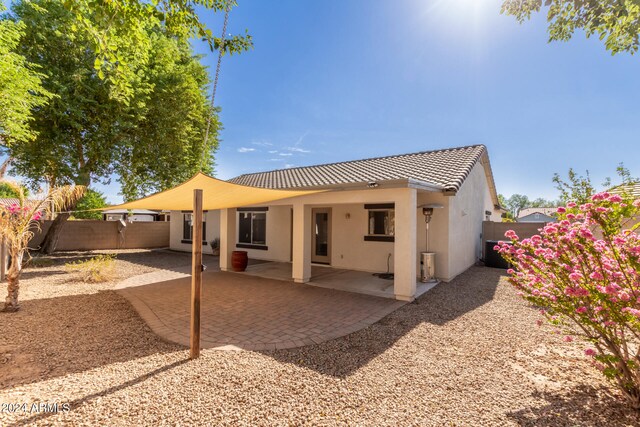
(544, 211)
(8, 201)
(445, 168)
(629, 189)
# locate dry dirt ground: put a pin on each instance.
(466, 353)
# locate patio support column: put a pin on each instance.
(404, 247)
(301, 270)
(227, 237)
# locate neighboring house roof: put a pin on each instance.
(444, 169)
(631, 189)
(530, 211)
(8, 202)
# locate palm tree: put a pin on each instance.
(18, 223)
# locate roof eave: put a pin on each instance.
(376, 185)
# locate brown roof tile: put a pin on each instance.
(445, 168)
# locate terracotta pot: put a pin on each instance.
(239, 260)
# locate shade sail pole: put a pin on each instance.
(196, 272)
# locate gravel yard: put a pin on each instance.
(465, 353)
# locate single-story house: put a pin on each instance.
(537, 215)
(137, 215)
(368, 218)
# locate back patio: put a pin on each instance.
(333, 278)
(243, 312)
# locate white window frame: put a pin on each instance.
(204, 221)
(389, 228)
(252, 214)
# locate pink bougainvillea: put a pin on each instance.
(584, 272)
(15, 212)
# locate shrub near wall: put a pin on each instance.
(584, 271)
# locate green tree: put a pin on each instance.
(507, 216)
(87, 135)
(576, 188)
(118, 33)
(92, 199)
(8, 190)
(579, 189)
(516, 203)
(541, 202)
(166, 148)
(20, 85)
(616, 22)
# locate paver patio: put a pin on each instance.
(252, 313)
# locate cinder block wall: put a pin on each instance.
(89, 235)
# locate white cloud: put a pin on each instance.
(276, 160)
(289, 166)
(286, 154)
(298, 150)
(273, 151)
(245, 150)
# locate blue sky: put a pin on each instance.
(334, 80)
(337, 80)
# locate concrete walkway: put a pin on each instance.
(250, 313)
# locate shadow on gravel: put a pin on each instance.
(163, 258)
(575, 407)
(53, 337)
(446, 302)
(74, 404)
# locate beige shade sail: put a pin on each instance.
(217, 194)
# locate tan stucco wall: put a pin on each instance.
(349, 250)
(175, 233)
(466, 214)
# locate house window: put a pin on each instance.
(187, 228)
(381, 225)
(252, 229)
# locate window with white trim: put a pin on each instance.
(380, 222)
(252, 228)
(187, 227)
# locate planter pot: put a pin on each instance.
(239, 260)
(215, 251)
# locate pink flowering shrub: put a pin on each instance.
(584, 274)
(16, 212)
